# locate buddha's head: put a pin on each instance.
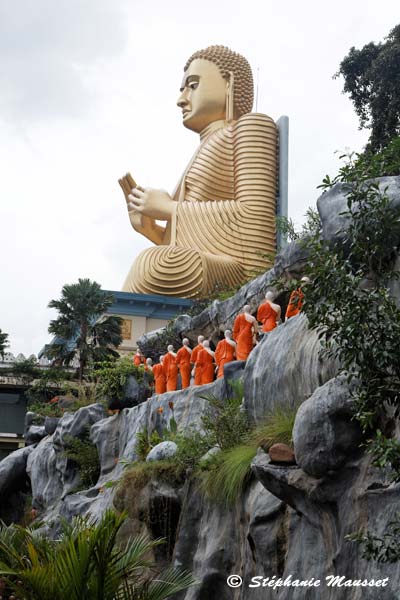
(211, 77)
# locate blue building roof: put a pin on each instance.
(147, 305)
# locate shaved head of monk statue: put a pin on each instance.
(220, 219)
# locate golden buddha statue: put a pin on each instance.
(221, 217)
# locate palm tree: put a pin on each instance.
(3, 342)
(85, 563)
(82, 329)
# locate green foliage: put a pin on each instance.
(386, 452)
(224, 478)
(45, 409)
(191, 447)
(27, 369)
(350, 305)
(277, 428)
(85, 563)
(112, 376)
(49, 383)
(191, 444)
(84, 454)
(224, 423)
(82, 327)
(145, 442)
(385, 549)
(3, 342)
(372, 80)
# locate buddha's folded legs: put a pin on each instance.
(181, 272)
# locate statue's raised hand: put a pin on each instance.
(127, 183)
(146, 225)
(156, 204)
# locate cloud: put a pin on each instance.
(47, 49)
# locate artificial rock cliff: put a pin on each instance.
(292, 520)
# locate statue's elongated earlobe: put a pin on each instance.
(229, 97)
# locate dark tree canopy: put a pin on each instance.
(3, 342)
(82, 328)
(372, 80)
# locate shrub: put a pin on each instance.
(52, 381)
(84, 454)
(224, 423)
(112, 377)
(85, 562)
(145, 442)
(191, 447)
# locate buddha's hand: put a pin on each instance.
(156, 204)
(136, 219)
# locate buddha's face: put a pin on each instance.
(203, 95)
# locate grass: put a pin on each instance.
(227, 474)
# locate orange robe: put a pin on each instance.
(267, 316)
(295, 303)
(205, 361)
(193, 360)
(159, 379)
(243, 331)
(171, 371)
(138, 360)
(183, 359)
(224, 353)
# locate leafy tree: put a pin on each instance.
(3, 343)
(372, 79)
(350, 304)
(85, 563)
(82, 328)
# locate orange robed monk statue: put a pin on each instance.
(245, 329)
(160, 381)
(296, 300)
(269, 313)
(197, 371)
(225, 352)
(183, 360)
(205, 361)
(171, 369)
(138, 359)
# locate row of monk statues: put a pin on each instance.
(200, 365)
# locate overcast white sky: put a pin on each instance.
(88, 91)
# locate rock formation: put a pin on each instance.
(293, 519)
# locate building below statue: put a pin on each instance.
(142, 313)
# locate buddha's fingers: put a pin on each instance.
(125, 187)
(131, 182)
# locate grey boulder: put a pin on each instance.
(162, 451)
(333, 203)
(34, 434)
(324, 434)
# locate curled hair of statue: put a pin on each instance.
(230, 62)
